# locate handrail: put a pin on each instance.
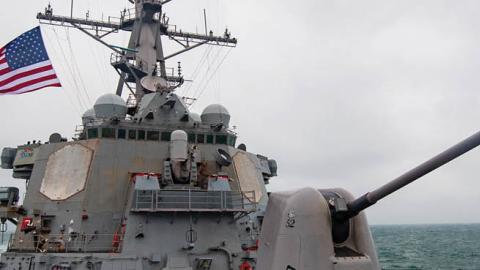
(193, 201)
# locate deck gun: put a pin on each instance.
(326, 229)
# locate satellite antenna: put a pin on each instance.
(155, 84)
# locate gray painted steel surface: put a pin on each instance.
(149, 185)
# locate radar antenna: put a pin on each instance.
(144, 56)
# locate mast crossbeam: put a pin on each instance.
(140, 59)
(109, 26)
(179, 36)
(198, 38)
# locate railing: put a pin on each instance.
(168, 70)
(129, 14)
(193, 201)
(58, 243)
(117, 58)
(105, 25)
(133, 13)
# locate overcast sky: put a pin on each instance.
(341, 93)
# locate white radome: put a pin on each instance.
(110, 106)
(216, 114)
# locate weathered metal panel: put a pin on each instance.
(66, 172)
(247, 174)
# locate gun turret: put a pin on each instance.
(326, 228)
(356, 206)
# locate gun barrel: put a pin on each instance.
(441, 159)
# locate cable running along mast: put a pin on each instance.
(142, 64)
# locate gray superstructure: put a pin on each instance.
(147, 184)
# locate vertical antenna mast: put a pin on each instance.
(205, 19)
(144, 56)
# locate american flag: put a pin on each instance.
(25, 66)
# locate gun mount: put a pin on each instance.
(327, 228)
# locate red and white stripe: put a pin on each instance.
(26, 79)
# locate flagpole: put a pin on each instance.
(71, 9)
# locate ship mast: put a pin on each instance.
(144, 59)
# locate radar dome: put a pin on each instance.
(110, 106)
(216, 114)
(88, 116)
(195, 117)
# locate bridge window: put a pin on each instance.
(200, 138)
(165, 136)
(141, 134)
(153, 135)
(132, 134)
(221, 139)
(232, 140)
(108, 133)
(92, 133)
(209, 138)
(191, 137)
(121, 134)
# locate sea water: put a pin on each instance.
(436, 247)
(430, 247)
